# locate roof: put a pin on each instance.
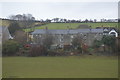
(5, 32)
(66, 31)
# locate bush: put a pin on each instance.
(52, 53)
(97, 43)
(56, 53)
(10, 47)
(37, 50)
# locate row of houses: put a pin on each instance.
(66, 36)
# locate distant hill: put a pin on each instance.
(72, 25)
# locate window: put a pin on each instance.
(61, 40)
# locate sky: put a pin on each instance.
(68, 10)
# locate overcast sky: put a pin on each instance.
(69, 10)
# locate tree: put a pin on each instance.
(48, 40)
(21, 37)
(48, 20)
(18, 17)
(97, 43)
(37, 50)
(12, 17)
(65, 20)
(77, 42)
(10, 47)
(55, 19)
(26, 20)
(109, 41)
(86, 20)
(13, 27)
(95, 20)
(61, 20)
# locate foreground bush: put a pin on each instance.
(56, 53)
(10, 47)
(37, 50)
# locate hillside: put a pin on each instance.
(4, 22)
(72, 25)
(60, 25)
(75, 25)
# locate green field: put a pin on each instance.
(62, 25)
(72, 25)
(60, 67)
(4, 23)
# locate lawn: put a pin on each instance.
(73, 25)
(60, 67)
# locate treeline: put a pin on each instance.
(62, 20)
(29, 17)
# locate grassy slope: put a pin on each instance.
(73, 25)
(4, 23)
(58, 67)
(62, 25)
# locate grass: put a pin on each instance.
(60, 67)
(62, 25)
(72, 25)
(4, 23)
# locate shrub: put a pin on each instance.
(37, 50)
(97, 43)
(110, 42)
(10, 47)
(54, 53)
(84, 48)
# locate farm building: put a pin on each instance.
(66, 36)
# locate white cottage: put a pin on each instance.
(113, 32)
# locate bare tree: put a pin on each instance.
(21, 37)
(26, 20)
(77, 42)
(48, 41)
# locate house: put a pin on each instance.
(110, 31)
(4, 34)
(65, 37)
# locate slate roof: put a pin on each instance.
(66, 31)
